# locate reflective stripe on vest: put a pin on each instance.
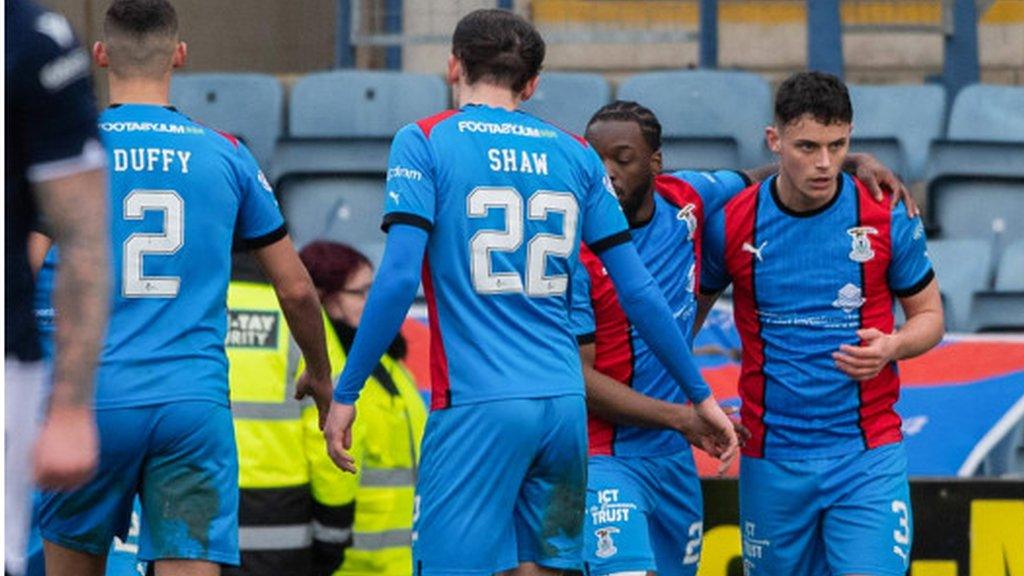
(330, 535)
(275, 537)
(371, 541)
(388, 478)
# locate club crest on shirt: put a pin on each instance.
(605, 544)
(686, 214)
(849, 298)
(861, 247)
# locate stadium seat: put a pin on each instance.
(340, 209)
(707, 104)
(910, 116)
(568, 99)
(993, 311)
(975, 189)
(962, 268)
(986, 112)
(330, 169)
(1010, 274)
(362, 104)
(250, 106)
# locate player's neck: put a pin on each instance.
(795, 200)
(140, 91)
(487, 95)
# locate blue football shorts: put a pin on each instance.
(180, 459)
(643, 514)
(501, 483)
(845, 515)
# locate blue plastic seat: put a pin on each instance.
(909, 115)
(362, 104)
(988, 112)
(718, 105)
(962, 268)
(568, 99)
(250, 106)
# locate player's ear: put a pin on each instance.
(656, 162)
(773, 138)
(99, 54)
(531, 87)
(454, 70)
(180, 55)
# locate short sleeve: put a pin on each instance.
(713, 274)
(411, 193)
(259, 219)
(910, 269)
(715, 188)
(581, 312)
(604, 224)
(54, 99)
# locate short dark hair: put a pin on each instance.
(498, 46)
(629, 111)
(819, 94)
(141, 18)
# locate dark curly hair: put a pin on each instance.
(821, 95)
(629, 111)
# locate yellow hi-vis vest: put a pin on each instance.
(269, 430)
(386, 437)
(280, 444)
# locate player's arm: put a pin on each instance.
(650, 314)
(76, 208)
(705, 302)
(301, 306)
(615, 402)
(38, 245)
(912, 280)
(386, 307)
(922, 331)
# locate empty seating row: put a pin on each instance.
(965, 271)
(710, 118)
(327, 150)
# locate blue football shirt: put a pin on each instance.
(803, 284)
(181, 194)
(506, 199)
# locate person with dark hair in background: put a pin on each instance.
(386, 438)
(54, 170)
(491, 204)
(182, 195)
(816, 264)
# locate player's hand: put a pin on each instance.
(67, 450)
(719, 434)
(338, 434)
(698, 433)
(863, 362)
(878, 179)
(322, 391)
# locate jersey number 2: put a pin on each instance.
(485, 242)
(140, 244)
